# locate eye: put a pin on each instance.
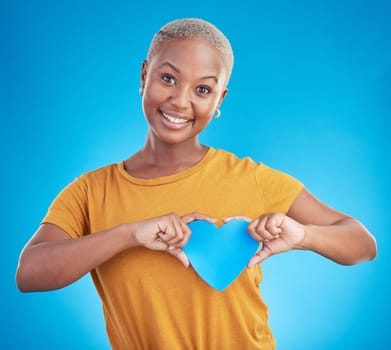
(169, 79)
(203, 90)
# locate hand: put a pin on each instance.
(277, 232)
(167, 233)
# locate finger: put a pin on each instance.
(253, 261)
(273, 230)
(258, 258)
(266, 229)
(197, 216)
(266, 252)
(178, 233)
(186, 235)
(251, 227)
(160, 244)
(164, 231)
(256, 227)
(167, 228)
(237, 217)
(179, 254)
(273, 224)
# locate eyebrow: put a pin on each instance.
(170, 65)
(178, 71)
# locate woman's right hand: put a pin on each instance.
(166, 233)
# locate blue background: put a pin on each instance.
(310, 95)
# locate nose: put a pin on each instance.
(181, 97)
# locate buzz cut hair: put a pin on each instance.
(198, 29)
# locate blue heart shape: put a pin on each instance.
(219, 255)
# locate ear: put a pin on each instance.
(143, 77)
(222, 97)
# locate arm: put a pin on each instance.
(52, 260)
(311, 225)
(336, 236)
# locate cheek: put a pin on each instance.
(152, 98)
(207, 108)
(154, 94)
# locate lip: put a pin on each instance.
(175, 120)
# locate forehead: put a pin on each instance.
(189, 54)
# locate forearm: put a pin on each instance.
(54, 264)
(346, 242)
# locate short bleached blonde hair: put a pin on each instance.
(194, 28)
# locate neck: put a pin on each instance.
(158, 158)
(165, 155)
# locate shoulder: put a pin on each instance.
(93, 180)
(231, 160)
(262, 170)
(266, 176)
(101, 174)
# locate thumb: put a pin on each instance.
(179, 254)
(262, 255)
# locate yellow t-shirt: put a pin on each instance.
(150, 300)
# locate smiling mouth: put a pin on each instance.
(175, 120)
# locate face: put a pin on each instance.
(184, 83)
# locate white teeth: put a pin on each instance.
(174, 120)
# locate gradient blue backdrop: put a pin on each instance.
(310, 95)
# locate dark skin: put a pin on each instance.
(184, 83)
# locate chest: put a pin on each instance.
(218, 198)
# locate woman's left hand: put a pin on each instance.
(277, 232)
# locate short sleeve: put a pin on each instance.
(69, 210)
(278, 189)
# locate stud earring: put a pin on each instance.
(217, 113)
(141, 90)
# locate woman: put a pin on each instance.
(126, 223)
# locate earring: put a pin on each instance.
(141, 90)
(217, 113)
